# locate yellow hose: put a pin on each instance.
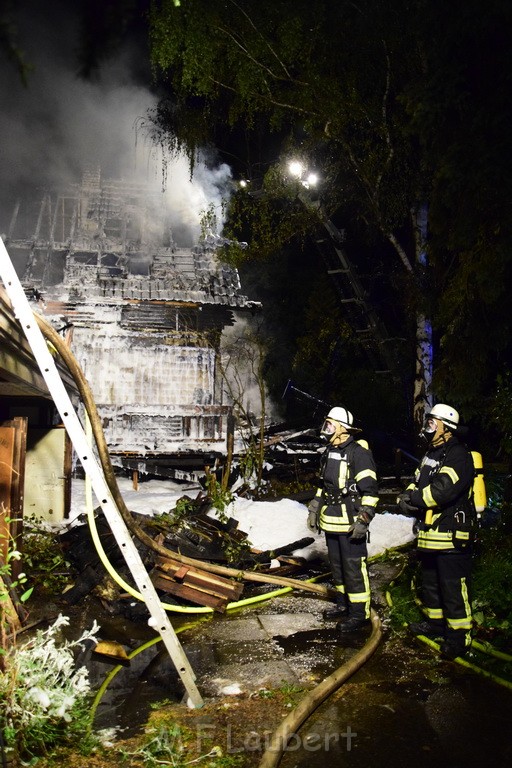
(490, 650)
(483, 647)
(133, 592)
(465, 663)
(108, 470)
(113, 672)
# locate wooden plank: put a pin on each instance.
(216, 585)
(171, 566)
(7, 439)
(20, 424)
(203, 585)
(181, 573)
(188, 593)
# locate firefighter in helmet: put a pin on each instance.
(343, 508)
(441, 499)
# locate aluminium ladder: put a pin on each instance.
(159, 619)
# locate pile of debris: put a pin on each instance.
(196, 535)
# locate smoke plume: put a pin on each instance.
(59, 124)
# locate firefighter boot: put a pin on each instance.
(355, 621)
(430, 629)
(456, 644)
(338, 610)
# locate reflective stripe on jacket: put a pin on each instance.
(349, 482)
(442, 491)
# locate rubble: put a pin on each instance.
(198, 536)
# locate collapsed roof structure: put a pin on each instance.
(143, 317)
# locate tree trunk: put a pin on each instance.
(424, 352)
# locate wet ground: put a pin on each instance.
(404, 707)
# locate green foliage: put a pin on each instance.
(400, 105)
(290, 691)
(44, 558)
(268, 216)
(501, 410)
(281, 68)
(43, 697)
(176, 745)
(276, 488)
(183, 509)
(165, 745)
(375, 95)
(6, 583)
(6, 570)
(403, 608)
(491, 579)
(220, 497)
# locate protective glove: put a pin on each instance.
(313, 514)
(313, 522)
(404, 505)
(359, 528)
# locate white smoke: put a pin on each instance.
(60, 124)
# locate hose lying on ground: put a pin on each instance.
(317, 696)
(483, 647)
(468, 664)
(133, 592)
(85, 392)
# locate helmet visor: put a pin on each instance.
(328, 428)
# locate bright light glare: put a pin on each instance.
(296, 168)
(312, 179)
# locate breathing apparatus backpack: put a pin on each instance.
(479, 492)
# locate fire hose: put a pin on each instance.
(312, 700)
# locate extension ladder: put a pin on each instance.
(159, 619)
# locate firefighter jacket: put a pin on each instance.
(348, 482)
(443, 493)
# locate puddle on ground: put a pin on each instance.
(404, 706)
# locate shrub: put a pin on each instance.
(43, 696)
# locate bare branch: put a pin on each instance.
(268, 99)
(272, 51)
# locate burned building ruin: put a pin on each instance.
(143, 317)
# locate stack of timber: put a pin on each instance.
(195, 585)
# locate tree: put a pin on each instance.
(241, 366)
(460, 109)
(405, 106)
(327, 78)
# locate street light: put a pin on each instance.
(296, 168)
(299, 171)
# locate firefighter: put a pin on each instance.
(440, 498)
(343, 508)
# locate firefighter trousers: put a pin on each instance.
(446, 593)
(348, 561)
